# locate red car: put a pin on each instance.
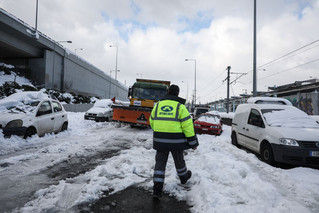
(208, 124)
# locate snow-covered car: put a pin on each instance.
(101, 111)
(277, 131)
(29, 113)
(208, 123)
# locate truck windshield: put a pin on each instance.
(148, 93)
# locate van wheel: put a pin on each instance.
(234, 139)
(29, 132)
(64, 126)
(267, 154)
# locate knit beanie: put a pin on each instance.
(173, 90)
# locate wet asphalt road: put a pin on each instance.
(16, 191)
(136, 200)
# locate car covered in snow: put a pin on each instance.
(208, 123)
(277, 131)
(101, 111)
(29, 113)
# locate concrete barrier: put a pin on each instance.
(77, 107)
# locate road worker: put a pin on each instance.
(173, 132)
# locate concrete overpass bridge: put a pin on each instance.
(51, 65)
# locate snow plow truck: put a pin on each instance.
(143, 95)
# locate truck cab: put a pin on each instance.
(145, 93)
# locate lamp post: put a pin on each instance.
(255, 56)
(78, 49)
(111, 81)
(36, 16)
(186, 90)
(115, 60)
(110, 84)
(187, 59)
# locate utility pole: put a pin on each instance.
(228, 77)
(229, 83)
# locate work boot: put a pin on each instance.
(157, 194)
(186, 177)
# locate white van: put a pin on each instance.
(277, 131)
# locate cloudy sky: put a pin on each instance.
(154, 37)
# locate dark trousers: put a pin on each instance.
(160, 165)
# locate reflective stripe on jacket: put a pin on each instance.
(172, 125)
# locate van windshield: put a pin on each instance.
(290, 117)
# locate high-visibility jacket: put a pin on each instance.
(172, 125)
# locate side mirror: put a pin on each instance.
(129, 92)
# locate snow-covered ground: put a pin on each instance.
(225, 178)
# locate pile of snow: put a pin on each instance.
(22, 101)
(290, 117)
(268, 100)
(227, 115)
(213, 119)
(20, 80)
(103, 103)
(13, 77)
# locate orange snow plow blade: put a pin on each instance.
(137, 116)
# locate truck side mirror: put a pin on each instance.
(129, 92)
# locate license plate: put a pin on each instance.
(205, 129)
(314, 153)
(90, 118)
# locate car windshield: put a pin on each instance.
(213, 119)
(290, 117)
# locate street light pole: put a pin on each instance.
(194, 80)
(115, 60)
(36, 16)
(187, 89)
(254, 58)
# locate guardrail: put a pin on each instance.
(77, 107)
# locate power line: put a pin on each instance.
(290, 69)
(272, 61)
(213, 80)
(292, 56)
(269, 63)
(289, 53)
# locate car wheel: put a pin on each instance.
(29, 132)
(267, 154)
(234, 139)
(64, 126)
